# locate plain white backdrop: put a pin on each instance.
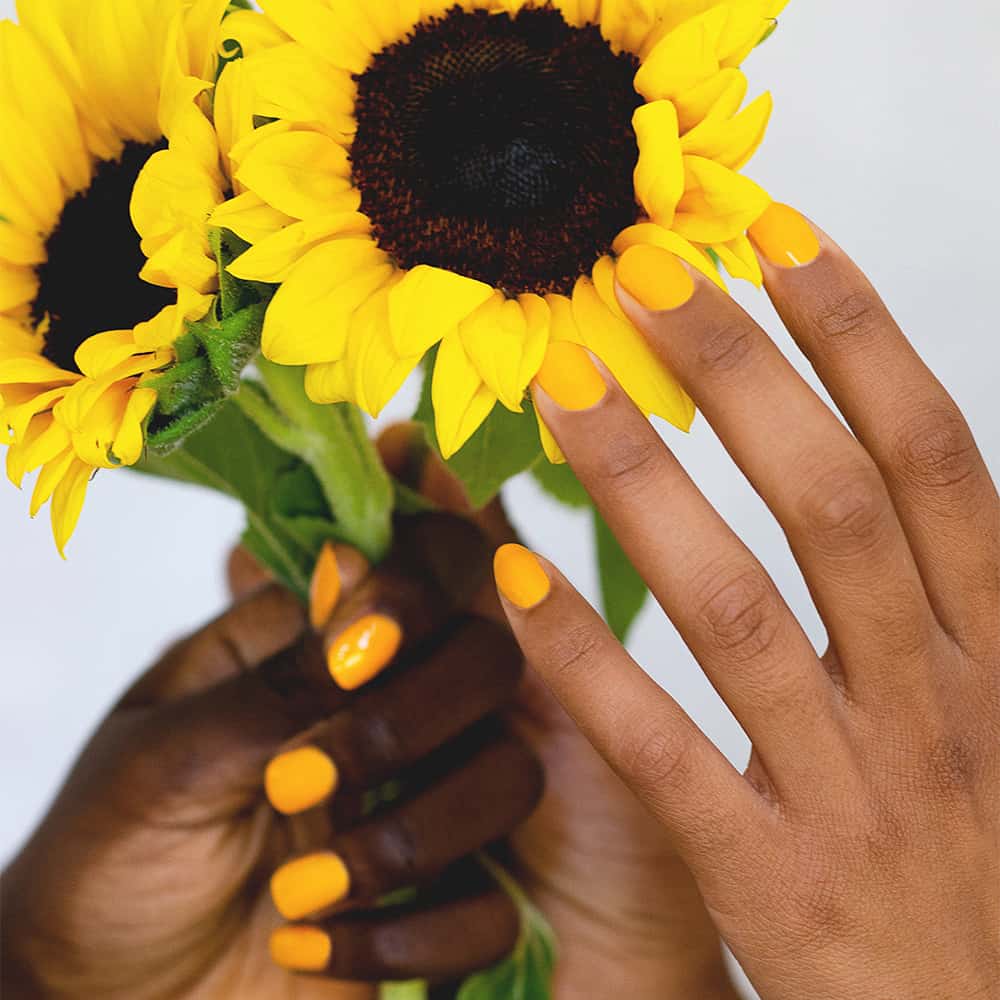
(885, 132)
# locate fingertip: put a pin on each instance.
(654, 278)
(785, 238)
(520, 577)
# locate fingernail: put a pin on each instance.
(570, 377)
(364, 651)
(654, 277)
(784, 237)
(520, 576)
(310, 884)
(326, 585)
(300, 779)
(301, 949)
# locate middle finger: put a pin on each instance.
(823, 487)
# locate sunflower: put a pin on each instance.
(464, 175)
(88, 95)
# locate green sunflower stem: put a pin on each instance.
(334, 441)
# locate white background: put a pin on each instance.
(885, 132)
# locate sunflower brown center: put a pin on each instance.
(90, 279)
(498, 147)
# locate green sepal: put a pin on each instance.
(334, 441)
(417, 989)
(505, 445)
(286, 513)
(772, 28)
(623, 590)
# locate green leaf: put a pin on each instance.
(230, 455)
(527, 974)
(772, 28)
(505, 445)
(623, 591)
(416, 990)
(560, 482)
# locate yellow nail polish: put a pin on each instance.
(654, 277)
(784, 237)
(300, 779)
(364, 651)
(310, 884)
(326, 586)
(570, 377)
(520, 576)
(301, 949)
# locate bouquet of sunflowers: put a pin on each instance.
(227, 234)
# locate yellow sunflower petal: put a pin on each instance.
(183, 261)
(461, 400)
(99, 354)
(329, 383)
(250, 32)
(740, 260)
(539, 318)
(18, 246)
(733, 141)
(233, 108)
(300, 173)
(48, 479)
(428, 303)
(719, 204)
(626, 24)
(659, 176)
(31, 370)
(308, 319)
(376, 371)
(325, 32)
(27, 80)
(293, 83)
(631, 360)
(250, 217)
(271, 259)
(130, 440)
(658, 236)
(494, 338)
(686, 57)
(19, 416)
(67, 503)
(721, 94)
(18, 285)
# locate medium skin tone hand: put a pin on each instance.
(859, 855)
(626, 911)
(149, 877)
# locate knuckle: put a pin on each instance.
(850, 321)
(728, 348)
(376, 741)
(575, 648)
(629, 461)
(936, 450)
(397, 849)
(952, 765)
(846, 510)
(740, 616)
(658, 759)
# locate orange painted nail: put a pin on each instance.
(301, 949)
(363, 651)
(310, 884)
(520, 576)
(784, 237)
(570, 377)
(300, 779)
(326, 587)
(654, 277)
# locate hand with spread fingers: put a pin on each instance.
(164, 871)
(859, 855)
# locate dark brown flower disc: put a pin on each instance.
(499, 147)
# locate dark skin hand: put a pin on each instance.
(165, 840)
(859, 855)
(149, 877)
